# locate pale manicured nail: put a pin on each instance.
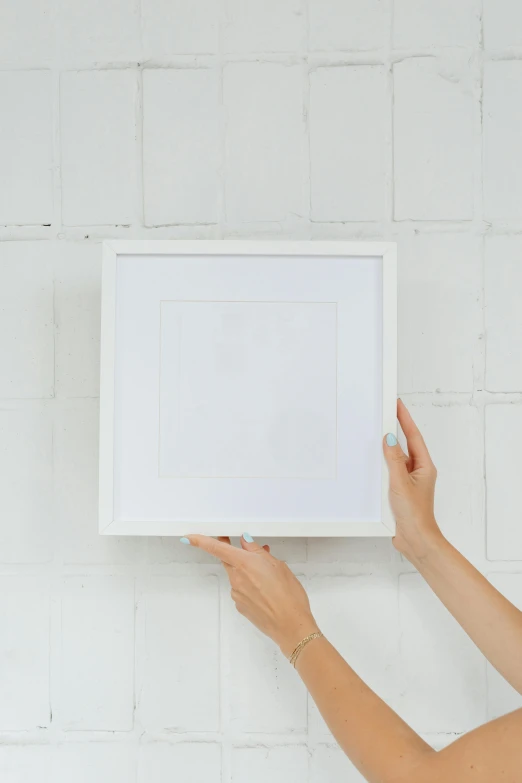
(248, 538)
(184, 540)
(391, 440)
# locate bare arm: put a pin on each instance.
(376, 739)
(379, 743)
(492, 622)
(387, 750)
(356, 717)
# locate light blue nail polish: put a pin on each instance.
(391, 440)
(184, 540)
(248, 538)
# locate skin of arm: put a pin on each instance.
(387, 750)
(376, 739)
(492, 622)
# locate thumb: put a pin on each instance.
(395, 457)
(248, 543)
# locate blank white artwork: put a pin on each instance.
(243, 388)
(248, 389)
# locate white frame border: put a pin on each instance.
(111, 250)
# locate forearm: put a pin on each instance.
(387, 750)
(492, 622)
(372, 735)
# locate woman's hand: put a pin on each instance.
(490, 620)
(412, 490)
(264, 590)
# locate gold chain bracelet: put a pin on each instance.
(302, 644)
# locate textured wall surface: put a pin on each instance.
(123, 661)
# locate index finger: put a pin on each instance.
(417, 448)
(226, 552)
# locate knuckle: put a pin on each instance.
(281, 568)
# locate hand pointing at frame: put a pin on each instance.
(264, 589)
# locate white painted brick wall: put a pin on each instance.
(26, 763)
(123, 660)
(454, 434)
(280, 764)
(176, 27)
(440, 283)
(433, 135)
(372, 646)
(348, 185)
(26, 481)
(178, 683)
(24, 653)
(75, 445)
(268, 26)
(504, 489)
(77, 268)
(26, 33)
(265, 141)
(95, 762)
(97, 134)
(443, 675)
(330, 765)
(502, 129)
(258, 673)
(26, 149)
(503, 314)
(502, 23)
(96, 692)
(180, 146)
(163, 762)
(425, 24)
(26, 321)
(97, 31)
(360, 26)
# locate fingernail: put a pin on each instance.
(391, 440)
(184, 540)
(248, 538)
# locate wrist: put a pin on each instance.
(432, 545)
(292, 636)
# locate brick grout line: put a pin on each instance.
(390, 189)
(140, 181)
(394, 230)
(382, 56)
(223, 120)
(307, 108)
(224, 717)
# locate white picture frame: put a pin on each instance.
(120, 511)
